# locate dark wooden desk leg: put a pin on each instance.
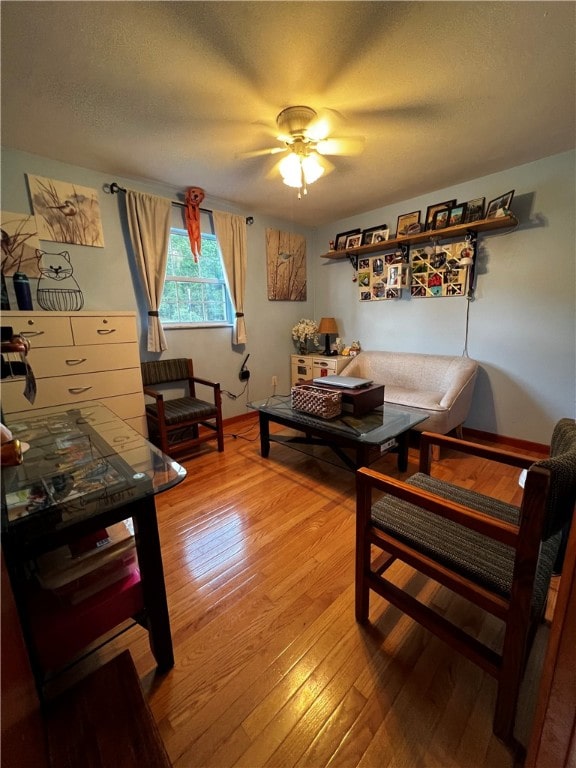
(264, 435)
(402, 441)
(362, 456)
(15, 581)
(153, 586)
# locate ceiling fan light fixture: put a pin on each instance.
(293, 121)
(291, 170)
(299, 170)
(305, 135)
(311, 168)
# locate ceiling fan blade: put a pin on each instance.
(326, 164)
(270, 128)
(262, 152)
(273, 172)
(352, 145)
(327, 121)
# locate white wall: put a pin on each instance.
(522, 324)
(108, 279)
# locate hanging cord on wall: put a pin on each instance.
(469, 260)
(472, 240)
(241, 435)
(232, 396)
(469, 300)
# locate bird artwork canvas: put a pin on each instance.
(19, 243)
(286, 266)
(66, 212)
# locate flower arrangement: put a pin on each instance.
(305, 331)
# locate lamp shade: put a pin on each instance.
(328, 325)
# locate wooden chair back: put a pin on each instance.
(158, 372)
(526, 539)
(178, 423)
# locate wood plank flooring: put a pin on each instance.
(271, 667)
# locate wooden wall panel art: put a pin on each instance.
(286, 266)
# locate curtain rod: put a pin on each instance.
(114, 188)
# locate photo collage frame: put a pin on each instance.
(440, 270)
(382, 277)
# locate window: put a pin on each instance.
(194, 294)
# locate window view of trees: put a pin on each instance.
(194, 292)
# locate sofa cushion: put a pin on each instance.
(414, 398)
(442, 385)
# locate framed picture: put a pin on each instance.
(286, 284)
(440, 218)
(414, 228)
(405, 221)
(431, 210)
(457, 215)
(375, 235)
(353, 241)
(475, 209)
(494, 206)
(343, 237)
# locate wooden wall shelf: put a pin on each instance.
(501, 222)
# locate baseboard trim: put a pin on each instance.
(523, 445)
(243, 418)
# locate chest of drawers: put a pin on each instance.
(306, 367)
(78, 357)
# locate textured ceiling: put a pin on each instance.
(175, 91)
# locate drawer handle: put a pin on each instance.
(76, 361)
(78, 390)
(31, 334)
(106, 331)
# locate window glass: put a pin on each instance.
(194, 293)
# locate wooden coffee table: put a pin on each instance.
(369, 435)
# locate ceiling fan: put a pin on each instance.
(305, 135)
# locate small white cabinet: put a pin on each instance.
(306, 367)
(77, 357)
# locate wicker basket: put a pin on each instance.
(317, 401)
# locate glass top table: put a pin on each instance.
(82, 461)
(85, 470)
(385, 428)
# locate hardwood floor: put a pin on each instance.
(271, 667)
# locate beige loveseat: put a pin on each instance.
(442, 385)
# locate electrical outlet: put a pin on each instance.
(274, 381)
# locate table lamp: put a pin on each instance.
(328, 326)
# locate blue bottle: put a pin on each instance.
(22, 290)
(5, 299)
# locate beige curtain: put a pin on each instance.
(149, 223)
(230, 231)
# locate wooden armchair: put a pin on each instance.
(173, 424)
(494, 554)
